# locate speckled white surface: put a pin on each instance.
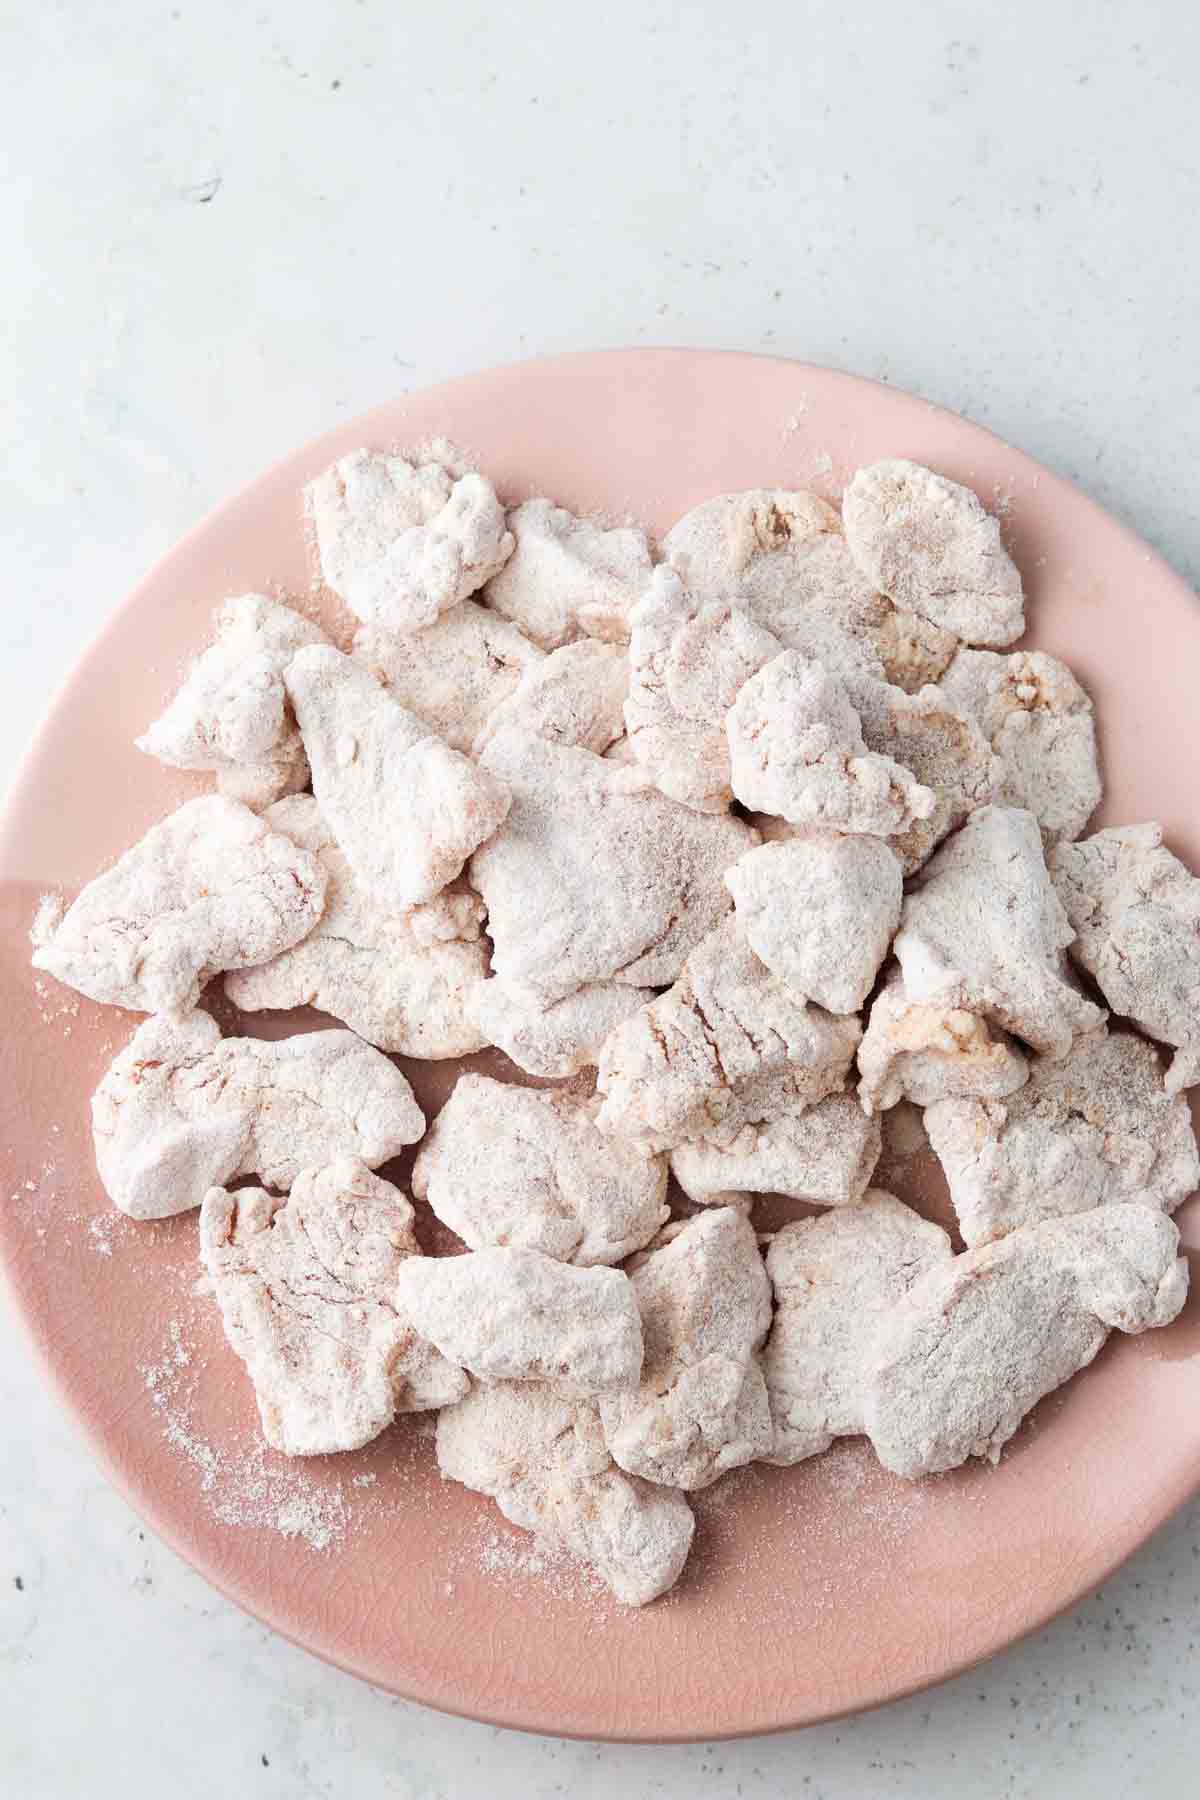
(227, 227)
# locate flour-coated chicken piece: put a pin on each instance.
(825, 1154)
(1093, 1129)
(1135, 909)
(569, 577)
(701, 1407)
(405, 809)
(403, 540)
(820, 910)
(796, 749)
(984, 930)
(688, 662)
(526, 1167)
(544, 1461)
(558, 1037)
(931, 546)
(575, 695)
(981, 1339)
(835, 1280)
(516, 1315)
(782, 557)
(596, 876)
(304, 1285)
(453, 674)
(924, 1051)
(232, 716)
(941, 746)
(181, 1109)
(401, 981)
(1041, 724)
(728, 1045)
(211, 887)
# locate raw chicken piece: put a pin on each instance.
(689, 661)
(556, 1039)
(573, 696)
(781, 557)
(984, 931)
(181, 1110)
(212, 887)
(454, 674)
(796, 749)
(596, 876)
(773, 830)
(729, 1044)
(544, 1462)
(942, 747)
(825, 1154)
(1136, 909)
(820, 911)
(569, 577)
(979, 1341)
(401, 982)
(914, 653)
(836, 1278)
(403, 541)
(1041, 725)
(516, 1315)
(305, 1291)
(1094, 1129)
(231, 715)
(701, 1407)
(527, 1167)
(929, 545)
(405, 809)
(926, 1051)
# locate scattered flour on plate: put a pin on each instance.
(39, 1195)
(100, 1229)
(843, 1501)
(56, 1005)
(506, 1555)
(795, 421)
(510, 1556)
(242, 1488)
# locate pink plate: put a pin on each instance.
(813, 1591)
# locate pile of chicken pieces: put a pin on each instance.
(769, 827)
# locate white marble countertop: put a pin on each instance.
(227, 227)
